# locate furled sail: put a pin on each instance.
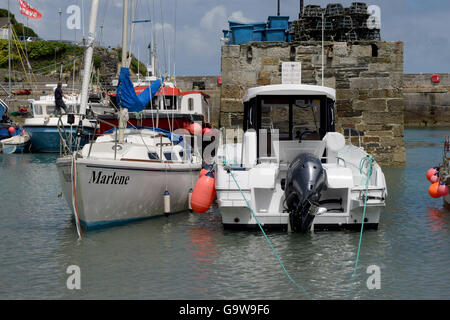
(127, 97)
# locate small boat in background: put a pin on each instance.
(440, 177)
(13, 139)
(16, 144)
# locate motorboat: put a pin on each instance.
(17, 144)
(290, 169)
(440, 177)
(13, 138)
(170, 109)
(43, 126)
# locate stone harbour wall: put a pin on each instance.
(427, 104)
(367, 76)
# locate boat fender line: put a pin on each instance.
(370, 160)
(74, 196)
(230, 172)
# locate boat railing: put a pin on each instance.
(350, 130)
(67, 148)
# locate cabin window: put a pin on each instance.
(275, 115)
(37, 110)
(153, 156)
(168, 156)
(50, 110)
(306, 119)
(294, 118)
(191, 104)
(198, 85)
(181, 153)
(170, 102)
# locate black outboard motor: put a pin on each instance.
(304, 182)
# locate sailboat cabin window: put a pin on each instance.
(153, 156)
(191, 104)
(168, 156)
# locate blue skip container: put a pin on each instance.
(226, 34)
(259, 25)
(235, 23)
(259, 35)
(279, 22)
(276, 34)
(242, 34)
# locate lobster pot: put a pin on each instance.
(166, 202)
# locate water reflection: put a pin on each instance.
(439, 219)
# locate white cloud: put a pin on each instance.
(215, 19)
(238, 16)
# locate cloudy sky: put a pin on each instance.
(194, 28)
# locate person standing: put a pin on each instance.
(59, 102)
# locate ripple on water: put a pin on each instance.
(190, 256)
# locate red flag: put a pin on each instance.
(27, 10)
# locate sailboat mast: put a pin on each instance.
(124, 33)
(9, 51)
(88, 56)
(123, 113)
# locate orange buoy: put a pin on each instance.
(195, 129)
(203, 172)
(443, 190)
(433, 190)
(11, 130)
(434, 179)
(204, 192)
(431, 172)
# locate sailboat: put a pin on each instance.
(129, 173)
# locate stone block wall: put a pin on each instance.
(367, 76)
(426, 103)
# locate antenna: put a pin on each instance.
(278, 12)
(322, 44)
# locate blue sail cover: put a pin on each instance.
(127, 97)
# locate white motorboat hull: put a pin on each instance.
(242, 218)
(344, 195)
(114, 192)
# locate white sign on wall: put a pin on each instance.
(291, 73)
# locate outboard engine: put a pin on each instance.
(304, 182)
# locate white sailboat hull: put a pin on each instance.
(113, 192)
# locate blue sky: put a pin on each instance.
(195, 33)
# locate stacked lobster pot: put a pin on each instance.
(338, 23)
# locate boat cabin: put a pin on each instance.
(301, 113)
(170, 109)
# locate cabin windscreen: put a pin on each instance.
(296, 117)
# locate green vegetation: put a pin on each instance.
(19, 28)
(134, 63)
(40, 53)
